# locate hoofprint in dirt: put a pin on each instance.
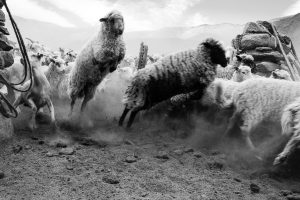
(157, 159)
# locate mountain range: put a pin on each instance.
(162, 41)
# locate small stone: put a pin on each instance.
(130, 159)
(51, 154)
(215, 165)
(144, 194)
(188, 150)
(237, 180)
(111, 179)
(16, 149)
(69, 167)
(66, 151)
(128, 142)
(254, 188)
(198, 154)
(27, 147)
(285, 192)
(34, 138)
(293, 197)
(61, 145)
(178, 152)
(2, 175)
(214, 153)
(41, 142)
(162, 155)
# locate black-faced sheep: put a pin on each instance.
(99, 57)
(258, 100)
(281, 74)
(183, 72)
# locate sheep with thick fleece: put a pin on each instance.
(178, 73)
(99, 57)
(256, 101)
(290, 123)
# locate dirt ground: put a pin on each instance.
(157, 159)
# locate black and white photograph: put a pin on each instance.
(149, 99)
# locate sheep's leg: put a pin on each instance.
(72, 106)
(246, 130)
(88, 95)
(17, 102)
(125, 112)
(131, 118)
(231, 124)
(52, 113)
(32, 105)
(289, 147)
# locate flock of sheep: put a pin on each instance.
(201, 74)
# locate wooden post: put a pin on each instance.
(142, 61)
(285, 57)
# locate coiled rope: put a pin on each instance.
(12, 111)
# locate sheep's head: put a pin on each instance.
(280, 74)
(57, 62)
(247, 60)
(242, 73)
(113, 22)
(216, 51)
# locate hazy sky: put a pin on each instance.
(154, 14)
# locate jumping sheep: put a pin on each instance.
(291, 128)
(178, 73)
(99, 57)
(258, 100)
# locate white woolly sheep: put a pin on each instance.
(281, 74)
(182, 72)
(290, 123)
(258, 100)
(38, 96)
(99, 57)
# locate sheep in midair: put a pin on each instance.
(178, 73)
(290, 124)
(258, 100)
(99, 57)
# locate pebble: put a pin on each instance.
(61, 145)
(162, 155)
(215, 165)
(2, 175)
(237, 180)
(111, 179)
(188, 150)
(130, 159)
(41, 142)
(293, 197)
(51, 154)
(178, 152)
(66, 151)
(198, 154)
(128, 142)
(254, 188)
(27, 147)
(69, 167)
(17, 149)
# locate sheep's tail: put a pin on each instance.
(287, 120)
(220, 99)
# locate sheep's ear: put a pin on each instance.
(103, 19)
(239, 58)
(22, 61)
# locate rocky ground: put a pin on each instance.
(154, 160)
